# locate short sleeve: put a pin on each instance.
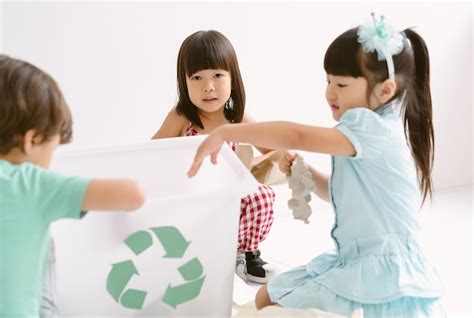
(58, 196)
(366, 130)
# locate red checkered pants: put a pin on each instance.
(256, 218)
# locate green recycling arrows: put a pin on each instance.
(175, 296)
(172, 240)
(175, 246)
(139, 242)
(118, 278)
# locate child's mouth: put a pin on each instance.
(334, 107)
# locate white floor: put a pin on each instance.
(446, 234)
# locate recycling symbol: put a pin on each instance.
(175, 246)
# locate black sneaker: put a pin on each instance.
(258, 271)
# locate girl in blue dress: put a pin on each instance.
(382, 157)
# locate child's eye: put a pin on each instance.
(341, 85)
(195, 77)
(219, 75)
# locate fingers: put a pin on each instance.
(209, 147)
(286, 161)
(285, 166)
(194, 168)
(285, 169)
(214, 158)
(197, 163)
(291, 155)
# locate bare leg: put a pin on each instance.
(262, 299)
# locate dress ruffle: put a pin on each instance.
(376, 269)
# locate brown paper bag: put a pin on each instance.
(245, 154)
(264, 168)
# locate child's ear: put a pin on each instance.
(28, 141)
(387, 90)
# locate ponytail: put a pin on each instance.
(418, 114)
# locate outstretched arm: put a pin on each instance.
(275, 135)
(113, 195)
(248, 119)
(289, 135)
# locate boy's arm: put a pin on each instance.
(173, 126)
(109, 194)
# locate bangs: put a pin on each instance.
(208, 53)
(343, 56)
(204, 50)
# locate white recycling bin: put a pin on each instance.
(175, 256)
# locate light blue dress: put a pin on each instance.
(378, 264)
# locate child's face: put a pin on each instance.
(209, 89)
(346, 92)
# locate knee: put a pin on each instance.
(262, 299)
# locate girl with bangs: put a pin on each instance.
(210, 94)
(382, 153)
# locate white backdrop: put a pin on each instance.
(116, 62)
(1, 27)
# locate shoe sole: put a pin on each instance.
(258, 280)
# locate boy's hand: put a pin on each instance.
(285, 162)
(210, 146)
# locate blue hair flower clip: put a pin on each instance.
(383, 38)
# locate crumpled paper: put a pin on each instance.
(265, 169)
(302, 184)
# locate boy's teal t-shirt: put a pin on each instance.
(31, 198)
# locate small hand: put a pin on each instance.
(286, 161)
(210, 146)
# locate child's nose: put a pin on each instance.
(208, 86)
(330, 93)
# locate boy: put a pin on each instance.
(34, 120)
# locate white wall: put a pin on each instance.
(116, 62)
(472, 96)
(1, 26)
